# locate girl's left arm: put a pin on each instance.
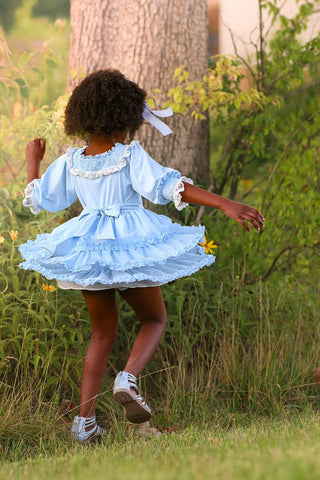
(55, 189)
(238, 211)
(34, 151)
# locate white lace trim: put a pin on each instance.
(104, 171)
(67, 285)
(28, 202)
(177, 198)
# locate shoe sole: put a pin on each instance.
(95, 439)
(135, 412)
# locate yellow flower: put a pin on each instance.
(208, 246)
(49, 288)
(1, 239)
(13, 234)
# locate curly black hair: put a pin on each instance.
(104, 102)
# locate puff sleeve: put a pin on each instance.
(54, 191)
(155, 182)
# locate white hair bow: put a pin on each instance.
(152, 117)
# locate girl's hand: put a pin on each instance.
(35, 150)
(243, 214)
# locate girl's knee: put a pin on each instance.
(104, 337)
(162, 318)
(157, 318)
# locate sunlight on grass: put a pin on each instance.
(286, 448)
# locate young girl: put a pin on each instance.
(115, 243)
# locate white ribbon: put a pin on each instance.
(152, 117)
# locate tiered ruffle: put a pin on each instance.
(121, 248)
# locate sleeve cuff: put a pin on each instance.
(177, 198)
(29, 201)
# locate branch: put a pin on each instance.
(283, 154)
(285, 73)
(212, 185)
(261, 38)
(275, 17)
(228, 167)
(202, 208)
(247, 193)
(240, 57)
(273, 265)
(302, 89)
(225, 150)
(253, 44)
(8, 165)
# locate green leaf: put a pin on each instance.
(38, 72)
(23, 87)
(51, 63)
(4, 91)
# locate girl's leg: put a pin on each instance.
(103, 313)
(149, 307)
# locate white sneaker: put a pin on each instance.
(85, 429)
(136, 409)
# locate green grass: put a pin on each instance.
(283, 448)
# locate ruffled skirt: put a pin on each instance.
(125, 248)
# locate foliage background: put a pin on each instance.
(243, 336)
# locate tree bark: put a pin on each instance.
(147, 40)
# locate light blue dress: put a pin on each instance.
(115, 242)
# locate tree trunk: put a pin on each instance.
(147, 40)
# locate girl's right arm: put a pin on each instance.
(34, 151)
(240, 212)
